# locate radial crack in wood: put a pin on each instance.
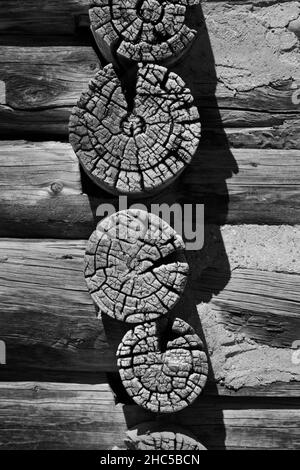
(135, 266)
(162, 365)
(140, 150)
(158, 436)
(142, 30)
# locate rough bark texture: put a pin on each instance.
(135, 266)
(162, 365)
(142, 30)
(134, 151)
(155, 436)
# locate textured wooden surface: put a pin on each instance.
(146, 31)
(243, 295)
(249, 61)
(153, 435)
(162, 366)
(41, 194)
(49, 322)
(135, 145)
(43, 83)
(73, 416)
(135, 267)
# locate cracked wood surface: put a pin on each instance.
(162, 365)
(249, 60)
(82, 416)
(139, 148)
(156, 436)
(54, 17)
(49, 324)
(41, 193)
(146, 30)
(135, 267)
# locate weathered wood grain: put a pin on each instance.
(54, 17)
(41, 187)
(146, 31)
(41, 194)
(156, 436)
(49, 323)
(257, 86)
(40, 17)
(135, 267)
(72, 416)
(137, 148)
(42, 85)
(162, 365)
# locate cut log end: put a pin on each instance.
(156, 436)
(135, 266)
(146, 30)
(162, 365)
(138, 151)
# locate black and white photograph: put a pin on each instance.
(149, 228)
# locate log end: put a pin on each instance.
(135, 266)
(162, 365)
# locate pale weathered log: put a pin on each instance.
(146, 30)
(265, 189)
(41, 415)
(162, 365)
(247, 65)
(51, 18)
(156, 436)
(135, 266)
(140, 148)
(49, 325)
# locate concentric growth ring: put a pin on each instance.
(140, 150)
(142, 30)
(158, 436)
(135, 266)
(163, 367)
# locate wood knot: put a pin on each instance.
(135, 266)
(57, 187)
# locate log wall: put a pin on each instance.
(243, 292)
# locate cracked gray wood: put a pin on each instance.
(84, 416)
(252, 69)
(266, 189)
(158, 436)
(162, 365)
(140, 150)
(135, 266)
(142, 30)
(48, 321)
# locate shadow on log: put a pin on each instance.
(202, 71)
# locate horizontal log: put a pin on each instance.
(41, 193)
(256, 88)
(49, 323)
(72, 416)
(53, 17)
